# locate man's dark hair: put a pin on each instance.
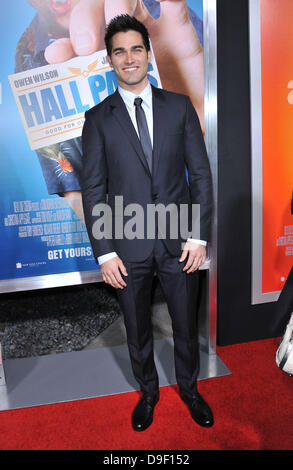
(122, 24)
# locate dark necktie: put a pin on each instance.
(143, 131)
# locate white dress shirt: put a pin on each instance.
(147, 105)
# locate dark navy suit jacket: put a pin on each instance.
(114, 165)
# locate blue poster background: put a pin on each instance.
(24, 195)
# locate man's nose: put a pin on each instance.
(129, 57)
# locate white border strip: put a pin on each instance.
(256, 155)
(211, 133)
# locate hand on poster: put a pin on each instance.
(177, 49)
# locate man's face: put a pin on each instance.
(129, 59)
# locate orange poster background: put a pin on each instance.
(277, 133)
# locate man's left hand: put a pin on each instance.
(195, 254)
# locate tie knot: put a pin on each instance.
(137, 101)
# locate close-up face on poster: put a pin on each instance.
(53, 69)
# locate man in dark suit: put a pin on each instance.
(137, 145)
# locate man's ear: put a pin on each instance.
(149, 55)
(109, 61)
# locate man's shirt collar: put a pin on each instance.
(128, 96)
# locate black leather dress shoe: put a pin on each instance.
(199, 409)
(142, 416)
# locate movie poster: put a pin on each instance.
(271, 37)
(53, 69)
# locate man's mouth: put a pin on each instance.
(60, 6)
(130, 69)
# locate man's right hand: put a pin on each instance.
(111, 272)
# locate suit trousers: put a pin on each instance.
(180, 290)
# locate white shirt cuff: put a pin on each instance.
(103, 258)
(200, 242)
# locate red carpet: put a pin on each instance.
(253, 410)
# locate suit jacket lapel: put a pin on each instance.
(121, 114)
